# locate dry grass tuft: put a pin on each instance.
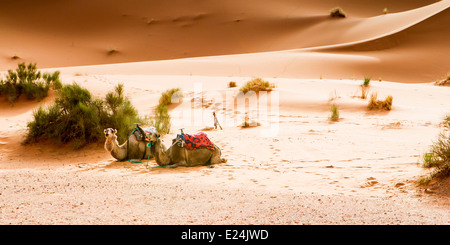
(375, 104)
(337, 13)
(257, 85)
(334, 109)
(232, 84)
(445, 81)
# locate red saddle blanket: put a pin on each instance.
(198, 140)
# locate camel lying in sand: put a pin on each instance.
(178, 155)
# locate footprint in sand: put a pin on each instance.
(371, 182)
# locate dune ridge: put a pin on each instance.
(140, 32)
(361, 169)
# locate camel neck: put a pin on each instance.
(161, 154)
(118, 151)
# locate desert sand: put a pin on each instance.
(297, 167)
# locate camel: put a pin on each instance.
(133, 149)
(176, 155)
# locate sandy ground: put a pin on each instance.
(297, 167)
(311, 172)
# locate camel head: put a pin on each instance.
(111, 138)
(110, 133)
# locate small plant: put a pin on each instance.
(232, 84)
(375, 104)
(337, 13)
(446, 122)
(257, 85)
(385, 11)
(161, 119)
(334, 109)
(27, 80)
(247, 124)
(365, 87)
(445, 81)
(112, 51)
(170, 96)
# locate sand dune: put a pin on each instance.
(72, 34)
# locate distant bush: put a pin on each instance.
(78, 118)
(365, 87)
(375, 104)
(337, 13)
(248, 124)
(169, 95)
(439, 154)
(161, 119)
(445, 81)
(232, 84)
(28, 81)
(334, 109)
(118, 112)
(257, 85)
(112, 51)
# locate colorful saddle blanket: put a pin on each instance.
(198, 140)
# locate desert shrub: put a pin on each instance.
(161, 119)
(169, 95)
(27, 80)
(116, 111)
(337, 13)
(257, 85)
(366, 82)
(365, 87)
(112, 51)
(438, 156)
(375, 104)
(232, 84)
(248, 124)
(79, 118)
(334, 109)
(444, 81)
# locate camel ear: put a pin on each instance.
(115, 131)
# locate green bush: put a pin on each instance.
(439, 154)
(161, 119)
(79, 118)
(27, 80)
(257, 85)
(169, 95)
(365, 87)
(334, 109)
